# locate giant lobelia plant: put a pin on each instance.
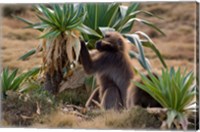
(61, 28)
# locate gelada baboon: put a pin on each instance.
(112, 66)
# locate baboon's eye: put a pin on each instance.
(107, 35)
(119, 42)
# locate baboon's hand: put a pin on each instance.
(83, 45)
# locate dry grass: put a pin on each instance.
(17, 41)
(137, 118)
(57, 119)
(15, 44)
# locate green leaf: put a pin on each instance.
(141, 21)
(28, 54)
(144, 12)
(85, 29)
(46, 12)
(12, 76)
(23, 77)
(4, 78)
(51, 33)
(16, 83)
(171, 115)
(74, 24)
(29, 87)
(58, 13)
(132, 8)
(38, 26)
(149, 24)
(46, 21)
(125, 12)
(32, 72)
(183, 121)
(65, 13)
(96, 17)
(151, 45)
(133, 38)
(106, 29)
(133, 54)
(75, 16)
(24, 20)
(111, 15)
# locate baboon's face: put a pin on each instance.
(112, 42)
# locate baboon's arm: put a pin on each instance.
(90, 64)
(85, 58)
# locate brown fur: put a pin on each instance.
(112, 67)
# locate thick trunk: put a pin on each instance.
(52, 82)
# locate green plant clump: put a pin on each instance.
(174, 91)
(11, 81)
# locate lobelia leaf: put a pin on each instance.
(5, 78)
(171, 115)
(141, 21)
(51, 33)
(56, 54)
(149, 43)
(106, 29)
(48, 13)
(132, 8)
(29, 87)
(123, 10)
(12, 76)
(38, 26)
(77, 49)
(183, 121)
(111, 15)
(134, 39)
(69, 46)
(24, 20)
(58, 14)
(74, 24)
(28, 54)
(87, 30)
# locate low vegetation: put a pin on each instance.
(10, 81)
(174, 91)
